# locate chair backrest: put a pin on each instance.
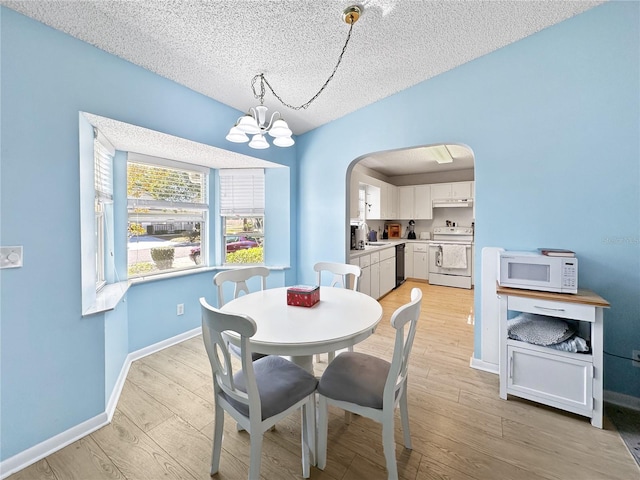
(340, 272)
(239, 276)
(406, 314)
(214, 322)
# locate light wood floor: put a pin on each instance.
(460, 427)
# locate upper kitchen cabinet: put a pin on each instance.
(388, 201)
(440, 191)
(414, 202)
(422, 202)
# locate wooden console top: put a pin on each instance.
(585, 297)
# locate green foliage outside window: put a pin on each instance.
(249, 255)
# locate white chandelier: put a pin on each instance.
(254, 122)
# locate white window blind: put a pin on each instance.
(103, 153)
(242, 192)
(167, 189)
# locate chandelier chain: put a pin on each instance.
(264, 81)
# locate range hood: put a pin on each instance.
(453, 202)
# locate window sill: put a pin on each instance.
(193, 271)
(107, 298)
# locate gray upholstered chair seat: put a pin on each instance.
(356, 378)
(281, 384)
(372, 387)
(257, 395)
(236, 350)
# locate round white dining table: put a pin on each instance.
(341, 318)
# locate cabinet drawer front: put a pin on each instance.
(420, 247)
(554, 380)
(387, 253)
(551, 308)
(375, 257)
(365, 261)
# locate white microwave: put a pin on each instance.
(534, 271)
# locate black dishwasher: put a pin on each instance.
(399, 264)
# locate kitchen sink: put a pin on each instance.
(378, 244)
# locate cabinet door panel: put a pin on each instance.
(560, 381)
(440, 191)
(461, 190)
(387, 275)
(365, 281)
(375, 280)
(405, 202)
(408, 261)
(420, 269)
(423, 206)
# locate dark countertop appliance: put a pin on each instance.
(412, 234)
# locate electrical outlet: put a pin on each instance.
(636, 358)
(180, 309)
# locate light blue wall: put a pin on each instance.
(554, 123)
(58, 369)
(552, 120)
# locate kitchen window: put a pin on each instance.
(167, 215)
(242, 211)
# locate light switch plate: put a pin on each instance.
(10, 257)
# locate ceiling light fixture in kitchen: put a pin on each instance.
(441, 153)
(254, 122)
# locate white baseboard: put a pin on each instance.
(37, 452)
(622, 400)
(484, 366)
(156, 347)
(31, 455)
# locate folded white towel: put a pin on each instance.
(454, 256)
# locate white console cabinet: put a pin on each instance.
(565, 380)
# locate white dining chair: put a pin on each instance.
(344, 274)
(262, 393)
(239, 277)
(372, 387)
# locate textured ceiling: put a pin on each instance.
(216, 47)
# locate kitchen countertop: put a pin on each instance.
(392, 242)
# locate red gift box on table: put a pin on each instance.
(303, 295)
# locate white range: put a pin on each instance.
(451, 256)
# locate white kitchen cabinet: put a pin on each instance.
(423, 208)
(374, 270)
(408, 260)
(387, 270)
(388, 201)
(565, 380)
(374, 273)
(365, 277)
(441, 191)
(420, 261)
(414, 202)
(406, 202)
